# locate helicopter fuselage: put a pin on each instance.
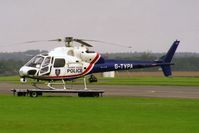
(66, 63)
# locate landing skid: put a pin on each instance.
(49, 85)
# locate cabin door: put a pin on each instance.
(45, 66)
(59, 67)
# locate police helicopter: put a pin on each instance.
(71, 62)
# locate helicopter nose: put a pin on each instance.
(23, 71)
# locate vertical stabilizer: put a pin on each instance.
(167, 59)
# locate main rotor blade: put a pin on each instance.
(30, 42)
(82, 42)
(21, 43)
(55, 40)
(35, 41)
(109, 43)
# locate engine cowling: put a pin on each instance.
(88, 57)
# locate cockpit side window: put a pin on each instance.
(59, 62)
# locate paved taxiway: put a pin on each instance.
(124, 90)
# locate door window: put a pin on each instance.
(46, 62)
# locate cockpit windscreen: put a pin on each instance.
(35, 61)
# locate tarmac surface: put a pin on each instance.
(122, 90)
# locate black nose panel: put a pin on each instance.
(32, 72)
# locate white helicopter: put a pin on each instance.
(71, 62)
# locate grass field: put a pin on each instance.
(102, 115)
(157, 81)
(98, 115)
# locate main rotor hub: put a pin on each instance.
(68, 41)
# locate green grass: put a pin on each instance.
(98, 115)
(154, 81)
(10, 78)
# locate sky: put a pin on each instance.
(145, 25)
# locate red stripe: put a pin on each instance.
(75, 75)
(95, 59)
